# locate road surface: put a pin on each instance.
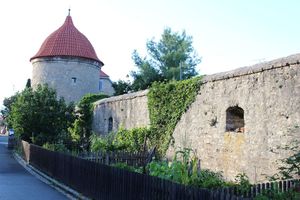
(18, 184)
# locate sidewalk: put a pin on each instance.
(17, 183)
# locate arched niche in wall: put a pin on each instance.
(235, 119)
(110, 124)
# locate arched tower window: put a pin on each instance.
(235, 119)
(110, 124)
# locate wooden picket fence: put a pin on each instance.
(276, 186)
(103, 182)
(138, 159)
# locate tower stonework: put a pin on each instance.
(71, 77)
(67, 62)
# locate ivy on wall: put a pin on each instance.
(166, 103)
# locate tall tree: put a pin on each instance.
(171, 58)
(7, 103)
(121, 87)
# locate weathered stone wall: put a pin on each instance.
(128, 111)
(269, 94)
(58, 72)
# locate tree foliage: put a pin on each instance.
(38, 117)
(121, 87)
(164, 60)
(81, 129)
(7, 103)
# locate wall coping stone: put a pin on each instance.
(257, 68)
(123, 97)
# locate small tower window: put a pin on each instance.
(74, 79)
(110, 124)
(235, 119)
(100, 85)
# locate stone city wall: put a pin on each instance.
(269, 95)
(236, 122)
(127, 111)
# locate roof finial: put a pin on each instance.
(69, 11)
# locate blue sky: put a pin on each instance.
(227, 34)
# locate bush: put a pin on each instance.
(277, 195)
(128, 168)
(133, 140)
(184, 170)
(56, 147)
(210, 179)
(128, 140)
(103, 143)
(243, 183)
(81, 129)
(291, 165)
(38, 117)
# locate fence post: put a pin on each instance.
(199, 167)
(26, 150)
(107, 159)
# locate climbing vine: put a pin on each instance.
(81, 129)
(166, 103)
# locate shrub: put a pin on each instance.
(103, 143)
(133, 140)
(81, 129)
(128, 168)
(128, 140)
(38, 117)
(291, 165)
(243, 183)
(184, 170)
(56, 147)
(277, 195)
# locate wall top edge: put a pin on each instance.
(257, 68)
(123, 97)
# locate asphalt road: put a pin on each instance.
(18, 184)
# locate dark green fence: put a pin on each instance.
(99, 181)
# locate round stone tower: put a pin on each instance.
(67, 62)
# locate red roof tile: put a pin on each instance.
(67, 41)
(102, 74)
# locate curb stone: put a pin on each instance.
(67, 191)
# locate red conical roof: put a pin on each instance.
(103, 74)
(67, 41)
